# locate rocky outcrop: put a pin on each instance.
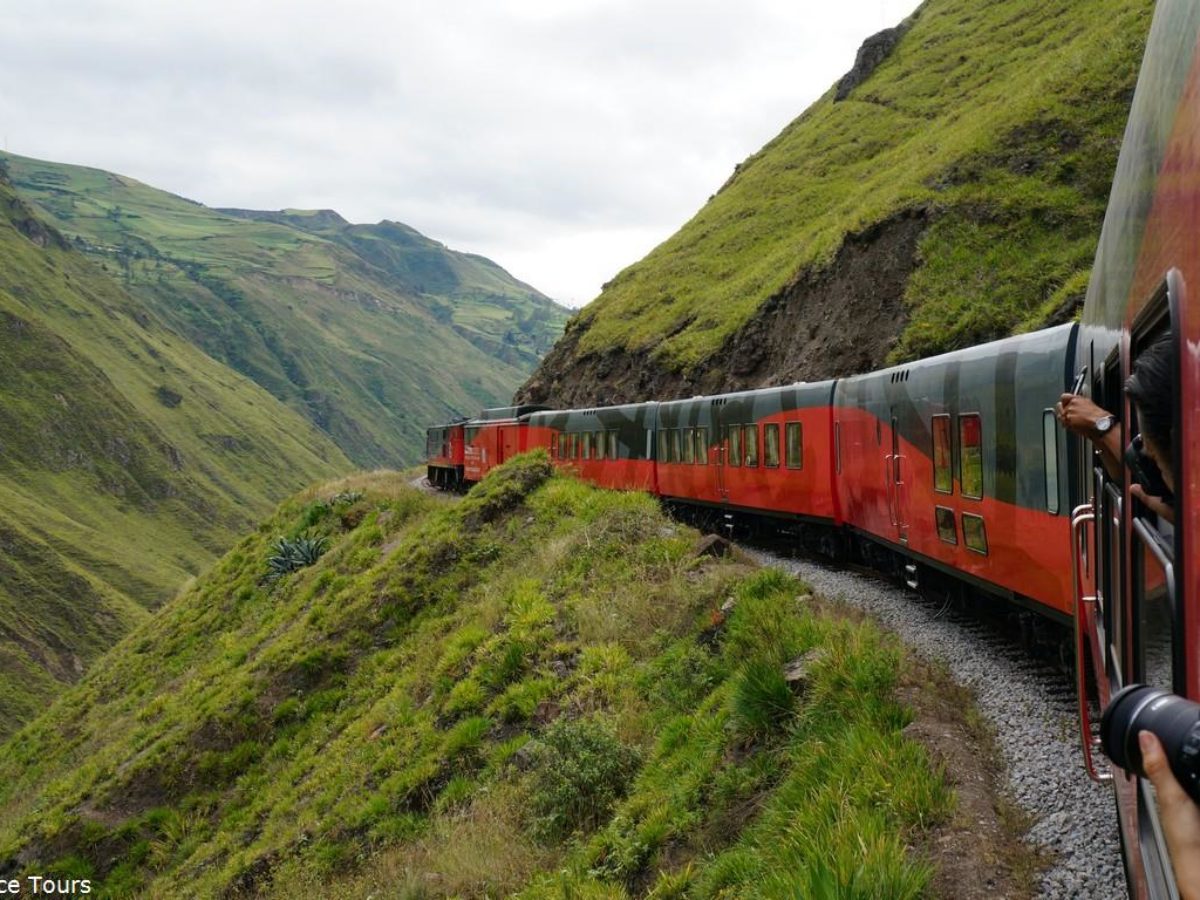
(870, 56)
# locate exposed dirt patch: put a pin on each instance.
(980, 852)
(828, 323)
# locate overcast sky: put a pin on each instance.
(563, 139)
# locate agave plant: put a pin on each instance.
(294, 553)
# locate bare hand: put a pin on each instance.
(1180, 817)
(1156, 505)
(1078, 414)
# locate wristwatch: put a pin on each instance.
(1105, 425)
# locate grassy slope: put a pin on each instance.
(315, 322)
(1002, 119)
(524, 691)
(128, 460)
(485, 304)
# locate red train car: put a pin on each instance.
(612, 446)
(1137, 605)
(762, 451)
(494, 436)
(444, 456)
(957, 464)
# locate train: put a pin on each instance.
(954, 470)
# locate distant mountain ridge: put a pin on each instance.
(452, 282)
(353, 326)
(948, 191)
(128, 460)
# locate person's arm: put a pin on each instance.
(1079, 415)
(1179, 815)
(1156, 505)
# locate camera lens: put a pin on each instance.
(1174, 720)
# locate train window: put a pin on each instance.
(612, 445)
(945, 524)
(974, 533)
(771, 445)
(702, 446)
(735, 445)
(1050, 455)
(675, 454)
(943, 468)
(554, 446)
(750, 444)
(688, 441)
(794, 439)
(662, 445)
(586, 438)
(970, 455)
(598, 444)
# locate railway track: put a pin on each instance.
(1027, 695)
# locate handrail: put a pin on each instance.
(888, 459)
(1083, 606)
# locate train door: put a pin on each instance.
(507, 447)
(719, 452)
(896, 466)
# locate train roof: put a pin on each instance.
(502, 413)
(591, 410)
(825, 385)
(1059, 335)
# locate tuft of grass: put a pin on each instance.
(762, 700)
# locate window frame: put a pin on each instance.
(937, 518)
(796, 427)
(948, 468)
(701, 439)
(769, 429)
(974, 517)
(750, 441)
(963, 419)
(734, 435)
(1050, 461)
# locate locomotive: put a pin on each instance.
(955, 468)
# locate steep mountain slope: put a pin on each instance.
(531, 688)
(503, 317)
(310, 308)
(128, 460)
(955, 195)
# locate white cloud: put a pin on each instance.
(561, 139)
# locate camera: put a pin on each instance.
(1174, 720)
(1145, 471)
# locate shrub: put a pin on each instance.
(580, 769)
(762, 699)
(292, 554)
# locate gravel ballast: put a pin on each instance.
(1031, 706)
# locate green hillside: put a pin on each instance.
(500, 315)
(955, 196)
(534, 690)
(128, 461)
(368, 340)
